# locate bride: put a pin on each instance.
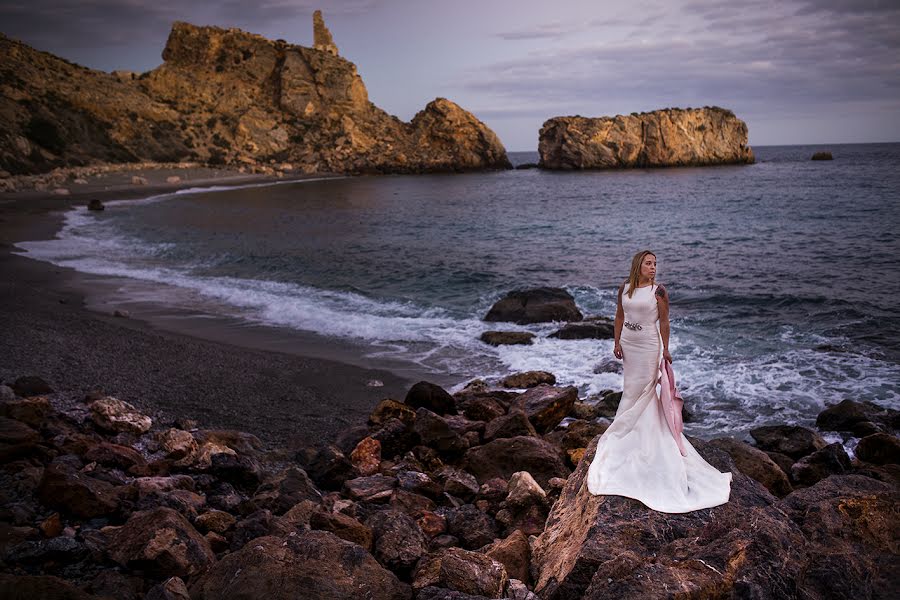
(643, 455)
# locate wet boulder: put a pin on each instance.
(366, 456)
(391, 409)
(31, 385)
(32, 411)
(830, 460)
(65, 488)
(792, 440)
(343, 526)
(430, 396)
(514, 553)
(462, 571)
(537, 305)
(528, 379)
(313, 564)
(473, 527)
(507, 338)
(399, 543)
(435, 432)
(503, 457)
(513, 424)
(546, 405)
(285, 489)
(598, 328)
(329, 467)
(114, 415)
(860, 418)
(880, 449)
(756, 464)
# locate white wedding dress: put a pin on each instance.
(637, 456)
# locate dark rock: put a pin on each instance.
(537, 305)
(285, 489)
(347, 439)
(217, 521)
(546, 405)
(513, 553)
(343, 526)
(858, 417)
(239, 470)
(112, 583)
(430, 592)
(822, 156)
(44, 587)
(419, 483)
(95, 204)
(391, 409)
(783, 461)
(576, 434)
(594, 329)
(462, 571)
(793, 440)
(31, 385)
(608, 405)
(59, 549)
(64, 488)
(614, 547)
(160, 541)
(430, 396)
(435, 432)
(473, 527)
(756, 464)
(503, 457)
(415, 505)
(879, 448)
(396, 437)
(31, 411)
(507, 338)
(514, 424)
(830, 460)
(528, 379)
(370, 489)
(482, 408)
(114, 455)
(255, 525)
(329, 467)
(399, 543)
(313, 564)
(525, 166)
(172, 588)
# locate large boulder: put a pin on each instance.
(756, 464)
(830, 460)
(474, 528)
(399, 542)
(513, 424)
(430, 396)
(67, 489)
(285, 489)
(793, 440)
(861, 418)
(462, 571)
(528, 379)
(537, 305)
(615, 547)
(546, 405)
(161, 541)
(503, 457)
(597, 328)
(313, 564)
(879, 448)
(507, 338)
(112, 414)
(435, 432)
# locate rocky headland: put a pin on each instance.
(473, 495)
(672, 137)
(225, 97)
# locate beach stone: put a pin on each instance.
(285, 489)
(432, 524)
(31, 385)
(783, 461)
(257, 524)
(312, 564)
(396, 437)
(822, 156)
(61, 191)
(575, 434)
(51, 526)
(241, 471)
(792, 440)
(399, 543)
(95, 205)
(517, 590)
(138, 180)
(329, 468)
(879, 448)
(366, 457)
(482, 408)
(343, 526)
(537, 305)
(32, 411)
(594, 329)
(524, 491)
(756, 464)
(515, 423)
(348, 438)
(473, 527)
(507, 338)
(462, 571)
(172, 588)
(514, 553)
(115, 455)
(44, 587)
(608, 404)
(64, 488)
(173, 179)
(503, 457)
(391, 409)
(179, 446)
(418, 483)
(860, 418)
(830, 460)
(584, 411)
(528, 379)
(160, 541)
(546, 405)
(414, 505)
(432, 397)
(217, 521)
(112, 414)
(371, 488)
(435, 432)
(458, 483)
(15, 433)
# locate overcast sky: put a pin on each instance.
(797, 71)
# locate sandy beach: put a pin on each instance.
(221, 378)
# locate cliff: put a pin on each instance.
(671, 137)
(226, 97)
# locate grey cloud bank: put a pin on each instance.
(820, 71)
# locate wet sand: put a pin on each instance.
(223, 374)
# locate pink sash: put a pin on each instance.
(671, 402)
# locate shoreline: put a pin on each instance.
(291, 392)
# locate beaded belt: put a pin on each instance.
(633, 326)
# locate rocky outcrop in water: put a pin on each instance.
(672, 137)
(224, 96)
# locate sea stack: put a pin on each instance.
(671, 137)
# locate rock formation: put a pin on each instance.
(224, 96)
(671, 137)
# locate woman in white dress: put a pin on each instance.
(638, 456)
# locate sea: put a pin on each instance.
(784, 275)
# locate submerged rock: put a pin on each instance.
(537, 305)
(507, 338)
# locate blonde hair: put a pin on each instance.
(634, 277)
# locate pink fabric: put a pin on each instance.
(671, 402)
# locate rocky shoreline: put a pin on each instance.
(474, 495)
